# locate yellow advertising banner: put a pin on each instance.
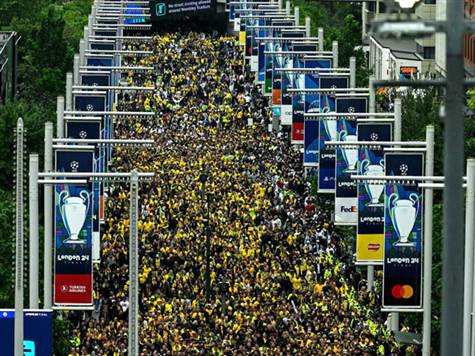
(370, 248)
(242, 38)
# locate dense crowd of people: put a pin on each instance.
(281, 280)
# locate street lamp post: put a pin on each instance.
(453, 223)
(19, 235)
(133, 267)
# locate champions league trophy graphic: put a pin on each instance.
(374, 190)
(403, 213)
(330, 123)
(73, 211)
(350, 155)
(279, 58)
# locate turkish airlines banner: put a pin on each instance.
(370, 229)
(402, 282)
(73, 231)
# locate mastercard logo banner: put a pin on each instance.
(403, 233)
(402, 291)
(369, 248)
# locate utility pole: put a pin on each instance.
(33, 227)
(48, 221)
(428, 207)
(453, 231)
(133, 267)
(19, 236)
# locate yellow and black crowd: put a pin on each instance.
(281, 281)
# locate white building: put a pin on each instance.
(394, 58)
(397, 58)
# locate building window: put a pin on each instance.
(429, 52)
(429, 2)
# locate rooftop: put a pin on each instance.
(402, 48)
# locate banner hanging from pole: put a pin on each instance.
(73, 231)
(84, 129)
(288, 79)
(370, 228)
(402, 282)
(346, 197)
(326, 176)
(312, 105)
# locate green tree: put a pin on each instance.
(62, 329)
(7, 210)
(50, 31)
(419, 109)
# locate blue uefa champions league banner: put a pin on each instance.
(134, 9)
(327, 163)
(90, 102)
(310, 156)
(263, 46)
(97, 103)
(37, 332)
(402, 282)
(87, 129)
(270, 62)
(250, 35)
(346, 158)
(254, 63)
(271, 46)
(283, 61)
(312, 105)
(288, 79)
(260, 48)
(83, 129)
(370, 228)
(286, 99)
(312, 81)
(261, 73)
(345, 166)
(105, 33)
(73, 230)
(95, 79)
(102, 46)
(232, 12)
(254, 44)
(298, 102)
(99, 80)
(99, 61)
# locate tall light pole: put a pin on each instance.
(134, 267)
(453, 231)
(33, 227)
(48, 221)
(453, 223)
(19, 236)
(428, 207)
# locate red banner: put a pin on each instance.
(73, 289)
